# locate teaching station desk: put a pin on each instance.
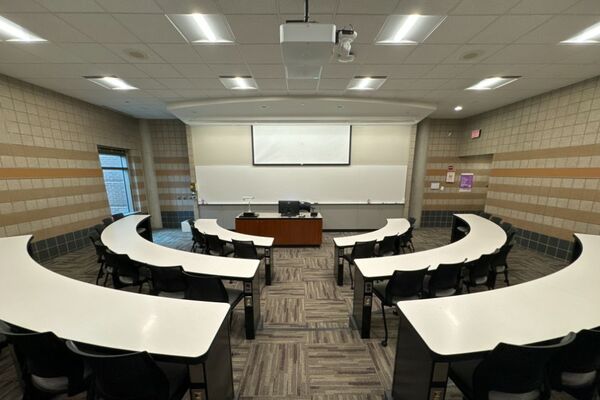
(302, 230)
(394, 226)
(211, 227)
(191, 332)
(434, 332)
(482, 237)
(122, 237)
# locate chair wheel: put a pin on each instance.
(384, 343)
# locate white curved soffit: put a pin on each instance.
(292, 109)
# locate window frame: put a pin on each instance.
(124, 170)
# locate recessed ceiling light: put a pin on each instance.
(408, 29)
(110, 82)
(493, 83)
(12, 32)
(458, 108)
(202, 28)
(366, 82)
(590, 35)
(239, 82)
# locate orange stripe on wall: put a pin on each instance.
(20, 150)
(547, 172)
(27, 173)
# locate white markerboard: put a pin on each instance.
(227, 184)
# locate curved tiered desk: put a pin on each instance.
(211, 227)
(122, 237)
(191, 332)
(482, 237)
(434, 332)
(394, 226)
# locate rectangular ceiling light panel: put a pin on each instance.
(408, 29)
(203, 28)
(239, 82)
(590, 35)
(493, 83)
(11, 32)
(110, 82)
(366, 82)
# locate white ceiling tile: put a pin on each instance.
(254, 29)
(463, 53)
(459, 29)
(159, 70)
(269, 84)
(509, 28)
(302, 84)
(150, 28)
(71, 5)
(129, 6)
(339, 71)
(402, 71)
(366, 26)
(445, 71)
(50, 27)
(188, 6)
(122, 51)
(11, 54)
(20, 6)
(382, 54)
(177, 53)
(316, 7)
(162, 93)
(333, 84)
(455, 84)
(248, 7)
(261, 53)
(50, 52)
(430, 53)
(229, 69)
(220, 54)
(481, 71)
(45, 70)
(483, 7)
(559, 28)
(585, 7)
(175, 83)
(542, 6)
(145, 83)
(101, 27)
(576, 71)
(531, 54)
(426, 7)
(92, 52)
(120, 70)
(267, 70)
(206, 84)
(367, 7)
(194, 70)
(397, 84)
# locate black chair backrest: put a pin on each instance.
(479, 268)
(409, 233)
(445, 276)
(205, 288)
(167, 279)
(514, 369)
(244, 249)
(198, 236)
(499, 258)
(118, 216)
(411, 221)
(388, 245)
(506, 226)
(404, 284)
(43, 354)
(119, 375)
(582, 355)
(496, 220)
(107, 221)
(122, 266)
(190, 222)
(363, 249)
(485, 215)
(98, 246)
(214, 243)
(509, 237)
(99, 228)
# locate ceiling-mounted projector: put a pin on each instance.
(306, 43)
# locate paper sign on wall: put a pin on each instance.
(466, 182)
(450, 176)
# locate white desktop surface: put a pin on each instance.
(121, 237)
(484, 237)
(38, 299)
(542, 309)
(394, 226)
(212, 227)
(273, 215)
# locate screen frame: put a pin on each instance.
(301, 164)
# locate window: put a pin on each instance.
(116, 179)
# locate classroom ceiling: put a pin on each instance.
(498, 37)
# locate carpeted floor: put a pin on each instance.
(305, 349)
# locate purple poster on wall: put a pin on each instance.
(466, 182)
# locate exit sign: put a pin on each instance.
(475, 133)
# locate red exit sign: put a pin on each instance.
(475, 133)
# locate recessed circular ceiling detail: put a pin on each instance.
(471, 55)
(137, 54)
(298, 109)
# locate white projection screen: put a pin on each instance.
(301, 144)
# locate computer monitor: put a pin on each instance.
(289, 207)
(305, 206)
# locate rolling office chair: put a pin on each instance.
(411, 221)
(125, 272)
(107, 221)
(99, 228)
(167, 281)
(387, 246)
(478, 273)
(359, 250)
(405, 241)
(496, 220)
(499, 265)
(445, 280)
(506, 226)
(118, 216)
(403, 285)
(485, 215)
(576, 368)
(47, 367)
(101, 250)
(131, 375)
(216, 246)
(246, 249)
(198, 240)
(508, 372)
